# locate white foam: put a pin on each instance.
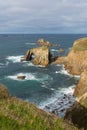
(4, 64)
(28, 64)
(55, 102)
(63, 71)
(15, 59)
(68, 90)
(30, 43)
(29, 76)
(77, 76)
(54, 50)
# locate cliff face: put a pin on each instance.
(39, 56)
(77, 57)
(76, 61)
(81, 87)
(77, 64)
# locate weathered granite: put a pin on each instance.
(38, 56)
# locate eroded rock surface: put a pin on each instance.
(39, 56)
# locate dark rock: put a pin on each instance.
(21, 77)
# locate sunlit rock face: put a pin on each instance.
(38, 56)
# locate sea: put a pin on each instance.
(49, 88)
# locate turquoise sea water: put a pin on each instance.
(42, 86)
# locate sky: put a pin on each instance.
(43, 16)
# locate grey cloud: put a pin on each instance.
(46, 16)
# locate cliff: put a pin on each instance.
(81, 87)
(76, 63)
(16, 114)
(76, 60)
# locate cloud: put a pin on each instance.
(36, 16)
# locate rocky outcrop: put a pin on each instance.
(76, 60)
(42, 42)
(39, 56)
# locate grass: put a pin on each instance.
(80, 45)
(16, 114)
(45, 47)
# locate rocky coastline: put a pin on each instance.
(76, 63)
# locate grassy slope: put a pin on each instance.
(80, 45)
(19, 115)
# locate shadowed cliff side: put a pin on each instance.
(77, 114)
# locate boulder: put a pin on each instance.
(21, 77)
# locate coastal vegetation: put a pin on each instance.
(80, 45)
(16, 114)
